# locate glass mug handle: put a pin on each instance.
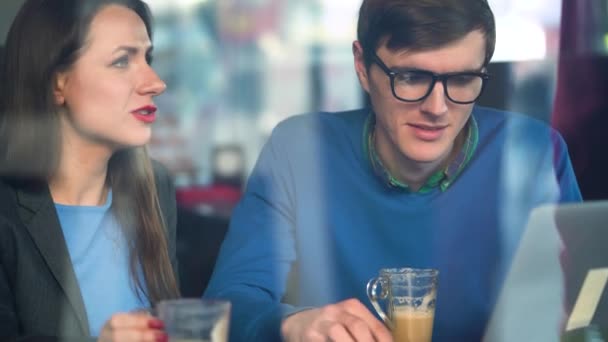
(374, 297)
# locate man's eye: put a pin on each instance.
(412, 78)
(121, 62)
(463, 79)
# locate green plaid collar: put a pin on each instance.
(442, 178)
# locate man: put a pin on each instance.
(421, 179)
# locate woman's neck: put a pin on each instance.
(80, 178)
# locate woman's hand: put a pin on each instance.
(136, 327)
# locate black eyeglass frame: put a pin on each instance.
(435, 77)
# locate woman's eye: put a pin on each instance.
(121, 62)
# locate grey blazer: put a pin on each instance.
(39, 292)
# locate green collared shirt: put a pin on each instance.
(442, 178)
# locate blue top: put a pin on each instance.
(316, 223)
(100, 258)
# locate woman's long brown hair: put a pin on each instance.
(137, 207)
(46, 38)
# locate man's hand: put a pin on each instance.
(133, 327)
(345, 321)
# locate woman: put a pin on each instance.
(87, 223)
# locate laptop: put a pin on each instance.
(558, 276)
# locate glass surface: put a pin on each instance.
(195, 320)
(410, 295)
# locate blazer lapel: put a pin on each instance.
(40, 217)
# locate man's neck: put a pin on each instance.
(414, 174)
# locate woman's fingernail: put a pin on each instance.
(162, 337)
(156, 324)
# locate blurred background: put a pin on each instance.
(235, 68)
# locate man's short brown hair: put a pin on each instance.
(420, 25)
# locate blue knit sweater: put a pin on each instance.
(316, 223)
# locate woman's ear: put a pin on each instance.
(59, 86)
(360, 67)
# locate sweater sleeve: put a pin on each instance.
(568, 186)
(259, 249)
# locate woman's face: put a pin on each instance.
(108, 91)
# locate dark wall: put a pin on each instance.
(499, 89)
(581, 101)
(8, 10)
(199, 238)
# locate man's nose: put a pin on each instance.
(436, 102)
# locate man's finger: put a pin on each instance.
(335, 331)
(377, 327)
(358, 328)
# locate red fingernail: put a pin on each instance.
(162, 337)
(156, 324)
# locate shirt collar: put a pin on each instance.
(442, 178)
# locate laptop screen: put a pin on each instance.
(563, 250)
(584, 231)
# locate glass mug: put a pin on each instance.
(200, 320)
(411, 295)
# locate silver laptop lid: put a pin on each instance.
(562, 247)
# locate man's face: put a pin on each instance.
(422, 132)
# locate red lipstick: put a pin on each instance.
(145, 114)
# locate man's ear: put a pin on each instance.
(59, 86)
(360, 67)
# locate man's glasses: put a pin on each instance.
(416, 85)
